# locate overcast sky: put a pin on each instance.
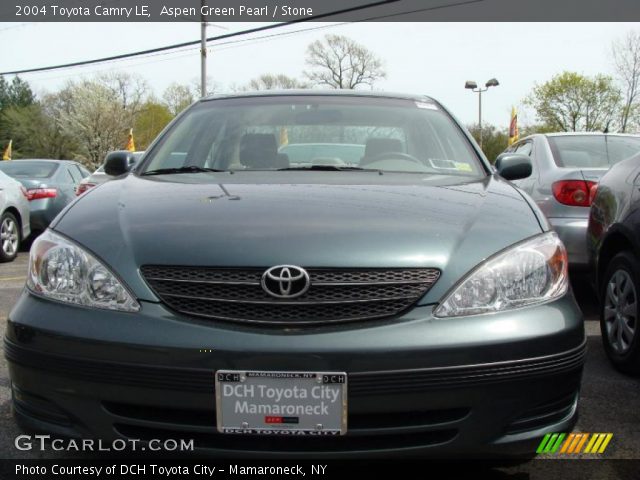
(429, 58)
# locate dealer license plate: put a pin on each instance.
(281, 403)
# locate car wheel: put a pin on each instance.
(9, 237)
(619, 312)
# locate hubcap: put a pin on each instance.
(620, 311)
(9, 236)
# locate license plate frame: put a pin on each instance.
(325, 391)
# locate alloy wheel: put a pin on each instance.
(621, 311)
(9, 236)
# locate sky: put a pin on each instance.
(424, 58)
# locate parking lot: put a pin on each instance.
(609, 399)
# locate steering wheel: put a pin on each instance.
(389, 155)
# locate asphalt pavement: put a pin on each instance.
(609, 401)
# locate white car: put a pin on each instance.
(14, 217)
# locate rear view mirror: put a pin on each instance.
(119, 162)
(513, 166)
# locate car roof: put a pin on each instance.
(321, 93)
(567, 134)
(580, 134)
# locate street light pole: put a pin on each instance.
(203, 52)
(480, 113)
(473, 86)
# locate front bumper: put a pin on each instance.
(419, 386)
(573, 233)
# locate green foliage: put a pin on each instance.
(177, 97)
(15, 94)
(153, 117)
(572, 102)
(35, 133)
(494, 140)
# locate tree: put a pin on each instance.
(572, 102)
(15, 94)
(178, 97)
(93, 114)
(494, 141)
(270, 81)
(36, 133)
(626, 59)
(340, 62)
(152, 118)
(130, 90)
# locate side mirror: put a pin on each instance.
(118, 162)
(513, 166)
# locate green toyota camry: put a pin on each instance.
(342, 268)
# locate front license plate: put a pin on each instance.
(281, 403)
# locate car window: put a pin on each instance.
(621, 148)
(525, 148)
(592, 151)
(83, 171)
(29, 169)
(73, 174)
(279, 132)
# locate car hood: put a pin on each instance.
(311, 219)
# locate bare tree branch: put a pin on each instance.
(341, 63)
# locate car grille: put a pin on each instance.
(334, 295)
(376, 430)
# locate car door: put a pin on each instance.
(71, 178)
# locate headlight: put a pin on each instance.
(534, 271)
(61, 270)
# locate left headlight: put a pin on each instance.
(530, 272)
(63, 271)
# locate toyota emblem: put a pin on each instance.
(285, 281)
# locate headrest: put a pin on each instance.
(258, 150)
(377, 146)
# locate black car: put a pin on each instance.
(402, 300)
(613, 242)
(50, 184)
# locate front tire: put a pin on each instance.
(620, 311)
(9, 237)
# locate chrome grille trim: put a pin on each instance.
(334, 295)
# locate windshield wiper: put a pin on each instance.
(334, 168)
(188, 169)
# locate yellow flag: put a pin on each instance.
(7, 151)
(514, 135)
(131, 145)
(284, 137)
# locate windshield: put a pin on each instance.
(592, 151)
(316, 133)
(28, 168)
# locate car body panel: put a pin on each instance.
(615, 214)
(65, 178)
(12, 198)
(527, 362)
(314, 225)
(568, 219)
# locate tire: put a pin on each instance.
(9, 237)
(620, 313)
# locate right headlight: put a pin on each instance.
(530, 272)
